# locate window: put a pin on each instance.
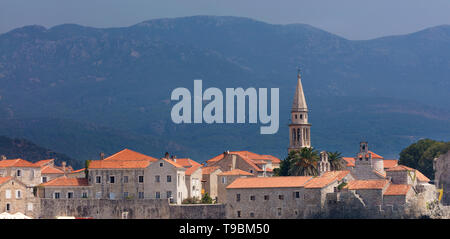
(141, 179)
(297, 194)
(141, 195)
(98, 195)
(70, 195)
(112, 195)
(57, 195)
(238, 197)
(112, 179)
(224, 180)
(8, 193)
(301, 116)
(44, 179)
(160, 164)
(157, 179)
(178, 180)
(8, 207)
(157, 195)
(84, 194)
(125, 179)
(266, 197)
(19, 173)
(169, 178)
(252, 198)
(169, 194)
(251, 171)
(125, 194)
(252, 214)
(238, 213)
(281, 197)
(18, 194)
(279, 211)
(295, 116)
(98, 179)
(30, 206)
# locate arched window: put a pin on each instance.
(298, 135)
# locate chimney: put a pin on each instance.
(3, 157)
(102, 156)
(64, 167)
(174, 158)
(166, 155)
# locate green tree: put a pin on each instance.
(285, 165)
(206, 199)
(420, 155)
(303, 162)
(336, 162)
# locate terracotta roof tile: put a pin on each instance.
(65, 181)
(400, 168)
(172, 162)
(235, 172)
(269, 182)
(129, 155)
(390, 163)
(375, 156)
(191, 170)
(17, 163)
(186, 162)
(116, 164)
(421, 177)
(350, 161)
(326, 179)
(41, 163)
(366, 184)
(247, 155)
(397, 189)
(210, 169)
(51, 170)
(78, 171)
(4, 179)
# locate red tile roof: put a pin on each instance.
(366, 184)
(390, 163)
(4, 179)
(79, 170)
(51, 170)
(186, 162)
(191, 170)
(397, 189)
(400, 168)
(235, 172)
(350, 161)
(41, 163)
(172, 162)
(117, 164)
(375, 156)
(248, 155)
(17, 163)
(210, 169)
(270, 182)
(65, 181)
(421, 177)
(129, 155)
(326, 179)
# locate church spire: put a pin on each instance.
(299, 103)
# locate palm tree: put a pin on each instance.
(304, 162)
(336, 162)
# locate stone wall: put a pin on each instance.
(442, 176)
(131, 209)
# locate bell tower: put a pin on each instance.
(299, 128)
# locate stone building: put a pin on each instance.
(209, 181)
(281, 197)
(193, 175)
(24, 171)
(441, 166)
(166, 179)
(256, 164)
(225, 179)
(65, 188)
(15, 197)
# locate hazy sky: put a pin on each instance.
(353, 19)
